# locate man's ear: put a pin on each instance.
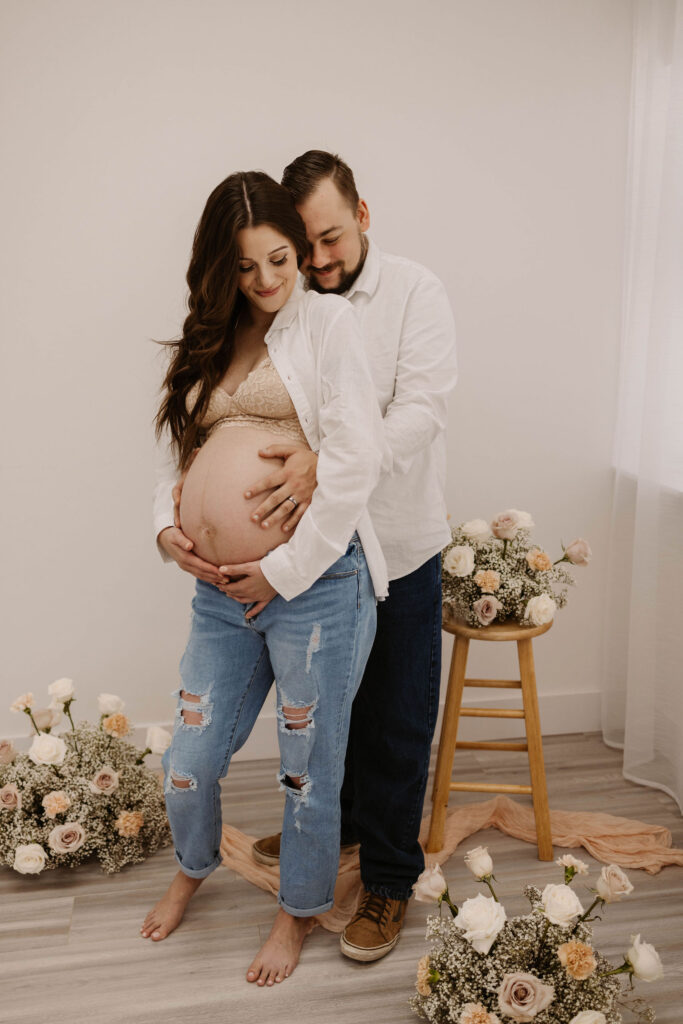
(363, 215)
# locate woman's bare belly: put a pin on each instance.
(213, 510)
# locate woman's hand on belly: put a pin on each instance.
(251, 586)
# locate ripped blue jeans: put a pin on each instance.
(315, 647)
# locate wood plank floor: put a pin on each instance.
(70, 951)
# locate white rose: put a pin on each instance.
(644, 959)
(29, 859)
(612, 884)
(459, 561)
(481, 919)
(540, 610)
(476, 530)
(479, 862)
(560, 904)
(109, 703)
(589, 1017)
(47, 749)
(524, 520)
(567, 861)
(430, 885)
(61, 690)
(158, 740)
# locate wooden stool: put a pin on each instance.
(449, 729)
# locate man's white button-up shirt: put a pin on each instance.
(409, 336)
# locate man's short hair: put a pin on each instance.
(303, 175)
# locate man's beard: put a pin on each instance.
(346, 280)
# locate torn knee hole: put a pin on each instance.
(293, 781)
(181, 783)
(192, 717)
(297, 718)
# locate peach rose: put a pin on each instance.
(475, 1013)
(10, 798)
(116, 725)
(66, 838)
(22, 703)
(423, 972)
(506, 525)
(486, 609)
(7, 752)
(522, 996)
(129, 823)
(578, 959)
(538, 560)
(56, 802)
(488, 580)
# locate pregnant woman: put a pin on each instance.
(261, 361)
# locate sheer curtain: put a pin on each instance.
(643, 677)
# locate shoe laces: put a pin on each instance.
(374, 907)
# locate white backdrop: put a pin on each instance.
(489, 140)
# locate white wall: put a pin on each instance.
(489, 140)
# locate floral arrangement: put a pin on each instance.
(542, 967)
(492, 572)
(84, 793)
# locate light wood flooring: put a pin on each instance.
(70, 950)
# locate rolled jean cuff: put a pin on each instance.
(388, 893)
(296, 912)
(198, 872)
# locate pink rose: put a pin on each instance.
(486, 609)
(7, 752)
(506, 525)
(522, 996)
(578, 552)
(10, 798)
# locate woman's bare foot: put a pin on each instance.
(279, 955)
(168, 912)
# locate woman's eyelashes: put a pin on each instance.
(276, 263)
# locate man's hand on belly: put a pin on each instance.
(296, 479)
(251, 586)
(179, 547)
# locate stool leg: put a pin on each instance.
(449, 732)
(539, 789)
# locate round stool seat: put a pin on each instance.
(499, 631)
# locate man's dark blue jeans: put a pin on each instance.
(392, 726)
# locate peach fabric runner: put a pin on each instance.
(623, 841)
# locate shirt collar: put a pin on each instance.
(368, 279)
(285, 316)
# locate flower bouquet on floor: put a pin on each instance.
(84, 793)
(492, 572)
(541, 967)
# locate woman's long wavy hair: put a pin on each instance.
(203, 353)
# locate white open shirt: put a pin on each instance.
(315, 345)
(409, 337)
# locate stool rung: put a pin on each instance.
(487, 787)
(490, 745)
(499, 684)
(492, 712)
